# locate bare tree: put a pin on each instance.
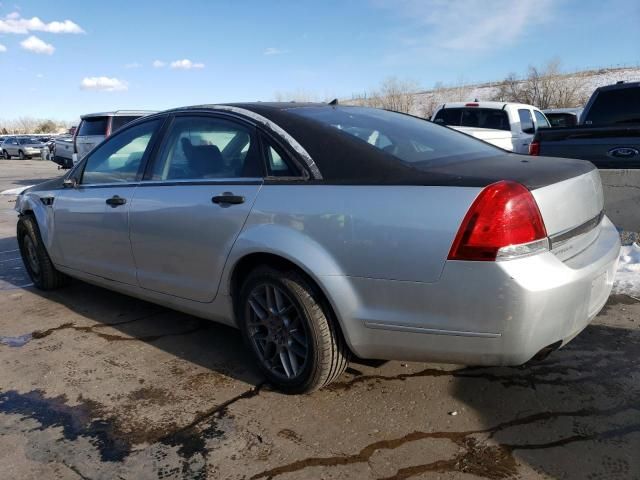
(543, 87)
(397, 95)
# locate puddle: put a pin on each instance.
(82, 420)
(19, 341)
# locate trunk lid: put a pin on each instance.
(572, 211)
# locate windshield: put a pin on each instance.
(407, 138)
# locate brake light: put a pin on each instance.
(472, 104)
(534, 148)
(504, 222)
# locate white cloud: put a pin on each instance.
(3, 48)
(133, 65)
(35, 45)
(106, 84)
(466, 25)
(159, 64)
(186, 64)
(14, 23)
(273, 51)
(39, 75)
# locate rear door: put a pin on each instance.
(92, 220)
(92, 130)
(193, 203)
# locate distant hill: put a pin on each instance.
(580, 85)
(588, 81)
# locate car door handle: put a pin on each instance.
(116, 201)
(228, 198)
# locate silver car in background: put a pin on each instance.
(323, 231)
(95, 127)
(22, 147)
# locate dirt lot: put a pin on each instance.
(96, 385)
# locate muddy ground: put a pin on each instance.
(95, 385)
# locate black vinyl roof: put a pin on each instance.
(344, 159)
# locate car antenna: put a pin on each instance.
(333, 102)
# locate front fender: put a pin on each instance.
(31, 203)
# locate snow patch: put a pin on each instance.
(627, 281)
(15, 191)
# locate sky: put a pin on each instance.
(60, 59)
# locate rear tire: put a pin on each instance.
(35, 257)
(290, 331)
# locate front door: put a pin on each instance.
(92, 220)
(187, 214)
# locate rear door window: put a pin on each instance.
(614, 107)
(118, 122)
(93, 126)
(496, 119)
(526, 120)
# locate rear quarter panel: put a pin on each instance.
(382, 232)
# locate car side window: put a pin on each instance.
(278, 163)
(541, 120)
(118, 159)
(526, 121)
(200, 147)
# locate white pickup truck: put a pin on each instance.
(510, 126)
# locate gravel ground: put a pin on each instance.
(96, 385)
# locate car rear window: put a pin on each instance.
(615, 106)
(473, 117)
(562, 119)
(118, 122)
(93, 126)
(410, 139)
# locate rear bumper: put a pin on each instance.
(479, 313)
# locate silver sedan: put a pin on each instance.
(325, 231)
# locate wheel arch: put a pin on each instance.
(243, 264)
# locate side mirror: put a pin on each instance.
(70, 182)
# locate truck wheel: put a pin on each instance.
(35, 257)
(290, 331)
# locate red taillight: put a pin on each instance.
(472, 104)
(505, 214)
(534, 148)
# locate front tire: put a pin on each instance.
(6, 155)
(290, 331)
(35, 257)
(20, 154)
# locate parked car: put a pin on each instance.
(22, 147)
(322, 230)
(607, 135)
(95, 127)
(510, 126)
(563, 117)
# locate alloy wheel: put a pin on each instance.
(277, 331)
